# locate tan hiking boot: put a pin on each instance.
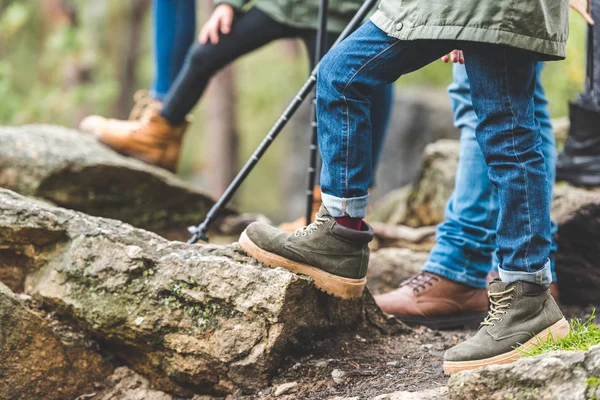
(521, 315)
(144, 103)
(153, 140)
(300, 222)
(435, 302)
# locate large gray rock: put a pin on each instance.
(553, 376)
(75, 171)
(192, 318)
(577, 213)
(36, 363)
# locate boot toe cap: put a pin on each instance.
(92, 124)
(265, 236)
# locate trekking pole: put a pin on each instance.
(199, 232)
(320, 46)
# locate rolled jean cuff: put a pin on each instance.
(542, 277)
(355, 207)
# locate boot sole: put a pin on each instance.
(558, 331)
(470, 320)
(337, 286)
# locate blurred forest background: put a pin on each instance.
(61, 60)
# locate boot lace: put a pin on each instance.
(499, 302)
(312, 228)
(143, 100)
(421, 281)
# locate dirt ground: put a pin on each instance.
(371, 366)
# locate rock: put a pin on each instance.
(286, 388)
(432, 394)
(338, 376)
(577, 213)
(36, 363)
(427, 201)
(389, 267)
(192, 318)
(424, 202)
(419, 239)
(75, 171)
(391, 208)
(553, 376)
(125, 384)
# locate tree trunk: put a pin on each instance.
(128, 73)
(221, 127)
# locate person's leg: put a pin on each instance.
(462, 257)
(382, 102)
(503, 81)
(157, 138)
(248, 33)
(173, 32)
(329, 251)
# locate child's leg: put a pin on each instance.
(174, 30)
(249, 32)
(348, 77)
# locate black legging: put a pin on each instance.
(249, 32)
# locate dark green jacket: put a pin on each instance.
(537, 25)
(303, 13)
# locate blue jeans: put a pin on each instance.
(502, 81)
(466, 240)
(174, 31)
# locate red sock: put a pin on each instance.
(348, 222)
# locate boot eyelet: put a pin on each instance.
(304, 234)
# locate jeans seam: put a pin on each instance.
(512, 132)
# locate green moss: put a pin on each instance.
(204, 316)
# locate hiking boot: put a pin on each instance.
(435, 302)
(300, 222)
(336, 257)
(521, 314)
(579, 162)
(144, 103)
(153, 140)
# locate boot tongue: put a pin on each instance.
(497, 286)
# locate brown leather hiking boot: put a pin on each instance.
(435, 302)
(300, 222)
(153, 140)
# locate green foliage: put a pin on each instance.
(583, 335)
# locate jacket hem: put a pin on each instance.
(549, 50)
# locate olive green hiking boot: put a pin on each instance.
(520, 315)
(336, 257)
